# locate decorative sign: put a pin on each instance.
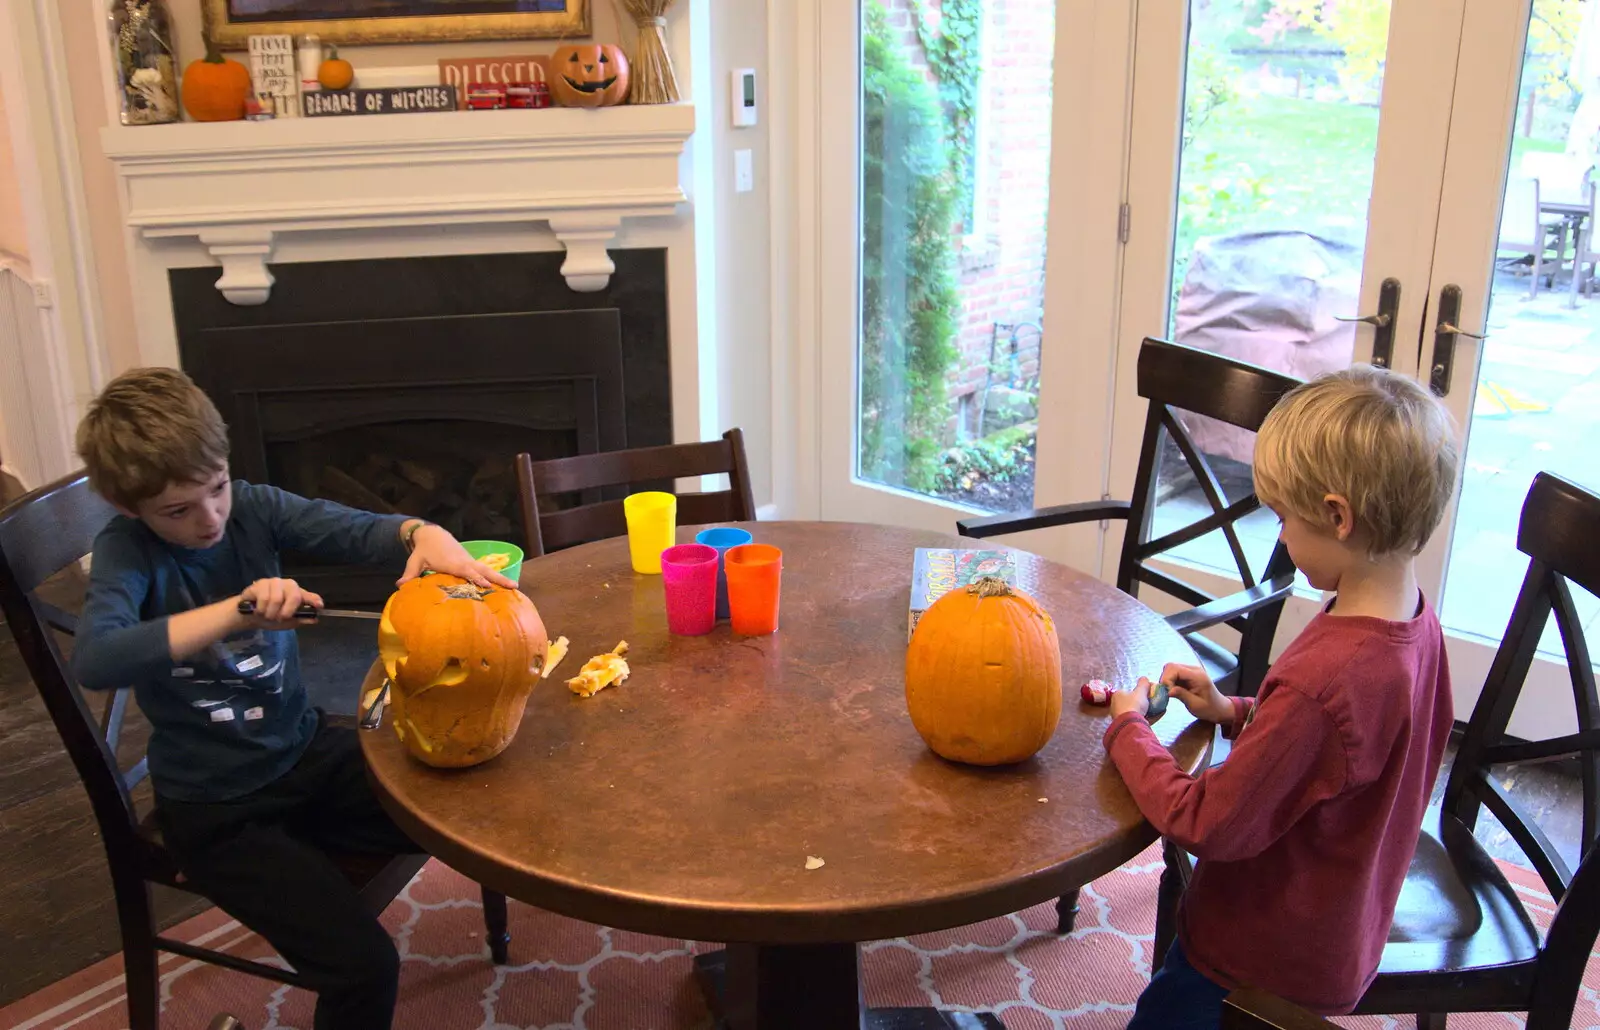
(392, 100)
(463, 72)
(273, 73)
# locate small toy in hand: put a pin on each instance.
(1098, 692)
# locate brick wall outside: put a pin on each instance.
(1002, 270)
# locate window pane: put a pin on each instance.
(1537, 406)
(1280, 135)
(955, 197)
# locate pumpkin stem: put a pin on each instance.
(989, 586)
(333, 54)
(213, 55)
(466, 592)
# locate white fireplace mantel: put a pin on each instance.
(238, 187)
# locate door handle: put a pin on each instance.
(1382, 323)
(1444, 340)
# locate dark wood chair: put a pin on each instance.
(42, 534)
(1175, 378)
(1461, 940)
(598, 516)
(1257, 1010)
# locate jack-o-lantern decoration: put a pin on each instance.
(590, 75)
(462, 660)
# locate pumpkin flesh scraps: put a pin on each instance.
(462, 660)
(553, 655)
(601, 671)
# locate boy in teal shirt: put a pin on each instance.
(253, 788)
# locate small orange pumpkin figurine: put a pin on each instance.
(215, 88)
(335, 72)
(592, 75)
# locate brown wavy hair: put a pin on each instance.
(148, 429)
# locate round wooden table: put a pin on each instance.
(686, 801)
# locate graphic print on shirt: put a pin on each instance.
(243, 672)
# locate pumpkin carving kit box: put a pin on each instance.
(935, 571)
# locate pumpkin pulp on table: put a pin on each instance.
(462, 661)
(983, 675)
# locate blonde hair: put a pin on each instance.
(148, 429)
(1375, 438)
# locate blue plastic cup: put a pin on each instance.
(722, 538)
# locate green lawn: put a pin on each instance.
(1283, 163)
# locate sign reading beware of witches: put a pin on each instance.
(392, 100)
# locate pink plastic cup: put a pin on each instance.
(689, 573)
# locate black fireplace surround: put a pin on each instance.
(407, 385)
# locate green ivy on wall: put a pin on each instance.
(953, 44)
(909, 300)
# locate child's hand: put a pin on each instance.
(276, 601)
(1135, 699)
(433, 548)
(1191, 685)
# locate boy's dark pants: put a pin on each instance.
(263, 859)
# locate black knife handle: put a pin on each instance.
(306, 612)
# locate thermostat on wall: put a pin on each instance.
(743, 97)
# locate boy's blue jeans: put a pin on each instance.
(1179, 998)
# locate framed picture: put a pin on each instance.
(230, 23)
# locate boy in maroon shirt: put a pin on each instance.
(1305, 833)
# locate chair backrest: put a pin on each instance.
(41, 534)
(1559, 525)
(1176, 378)
(598, 519)
(1519, 216)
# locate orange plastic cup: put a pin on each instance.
(755, 575)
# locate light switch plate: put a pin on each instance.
(744, 171)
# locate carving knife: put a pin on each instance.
(311, 613)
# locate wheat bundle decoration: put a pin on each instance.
(654, 81)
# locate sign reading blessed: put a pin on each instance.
(393, 100)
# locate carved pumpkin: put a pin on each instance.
(215, 88)
(589, 75)
(462, 661)
(983, 675)
(335, 72)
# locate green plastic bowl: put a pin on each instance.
(481, 549)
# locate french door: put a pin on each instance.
(1004, 197)
(964, 243)
(1296, 165)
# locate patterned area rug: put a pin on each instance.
(577, 976)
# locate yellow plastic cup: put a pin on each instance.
(652, 528)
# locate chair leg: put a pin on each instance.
(1431, 1020)
(496, 924)
(1067, 913)
(142, 978)
(1168, 894)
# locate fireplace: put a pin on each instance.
(407, 385)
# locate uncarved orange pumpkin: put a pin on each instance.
(335, 72)
(589, 75)
(983, 675)
(215, 88)
(461, 661)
